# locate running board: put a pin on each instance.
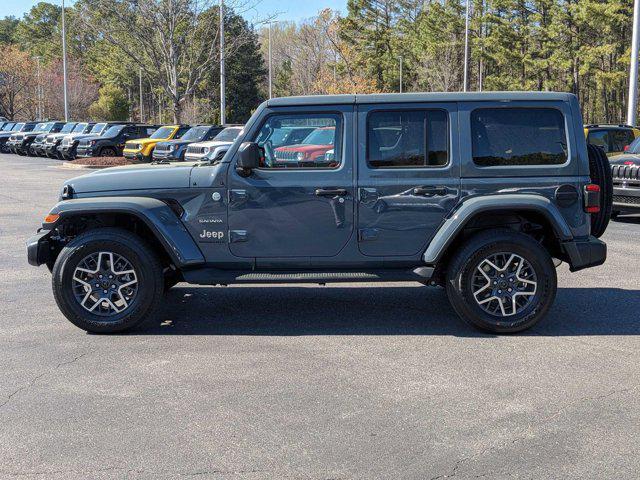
(216, 276)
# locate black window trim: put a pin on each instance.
(310, 113)
(426, 150)
(528, 107)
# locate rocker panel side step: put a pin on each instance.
(216, 276)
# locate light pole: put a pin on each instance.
(141, 104)
(64, 66)
(270, 71)
(466, 49)
(400, 74)
(39, 109)
(632, 108)
(223, 102)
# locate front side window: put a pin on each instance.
(518, 137)
(113, 131)
(80, 127)
(407, 139)
(98, 128)
(318, 148)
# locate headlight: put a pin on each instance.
(93, 142)
(171, 148)
(300, 156)
(206, 150)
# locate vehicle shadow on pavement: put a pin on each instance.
(284, 311)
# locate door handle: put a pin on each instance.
(431, 191)
(335, 192)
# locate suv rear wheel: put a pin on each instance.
(107, 280)
(108, 152)
(501, 281)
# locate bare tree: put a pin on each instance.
(175, 42)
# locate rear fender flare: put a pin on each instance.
(473, 206)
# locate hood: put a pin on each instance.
(178, 142)
(88, 138)
(624, 158)
(134, 177)
(143, 141)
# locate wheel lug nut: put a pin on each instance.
(113, 286)
(97, 284)
(499, 291)
(104, 291)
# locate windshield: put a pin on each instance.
(39, 127)
(195, 133)
(68, 128)
(98, 127)
(163, 132)
(17, 127)
(113, 131)
(228, 134)
(8, 127)
(79, 128)
(320, 136)
(47, 126)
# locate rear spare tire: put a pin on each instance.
(600, 173)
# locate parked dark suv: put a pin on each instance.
(7, 131)
(21, 143)
(481, 193)
(174, 150)
(111, 142)
(53, 141)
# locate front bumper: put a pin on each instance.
(51, 150)
(581, 254)
(39, 148)
(166, 155)
(16, 147)
(626, 197)
(66, 151)
(86, 152)
(39, 248)
(139, 156)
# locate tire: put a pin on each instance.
(463, 273)
(600, 172)
(108, 152)
(122, 245)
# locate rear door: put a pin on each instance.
(408, 175)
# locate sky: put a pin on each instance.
(292, 10)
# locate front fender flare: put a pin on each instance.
(510, 202)
(155, 214)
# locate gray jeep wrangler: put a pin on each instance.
(481, 193)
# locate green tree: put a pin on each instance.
(8, 27)
(112, 104)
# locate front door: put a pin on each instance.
(300, 202)
(408, 175)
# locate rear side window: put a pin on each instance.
(407, 139)
(518, 137)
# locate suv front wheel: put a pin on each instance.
(107, 280)
(501, 281)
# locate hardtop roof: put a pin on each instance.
(418, 97)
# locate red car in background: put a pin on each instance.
(310, 151)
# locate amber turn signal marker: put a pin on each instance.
(51, 218)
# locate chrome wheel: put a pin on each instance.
(504, 284)
(105, 283)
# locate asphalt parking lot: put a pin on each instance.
(350, 381)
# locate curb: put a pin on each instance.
(75, 166)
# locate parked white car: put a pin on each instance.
(201, 150)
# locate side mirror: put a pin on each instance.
(249, 155)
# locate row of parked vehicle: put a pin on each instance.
(310, 145)
(142, 142)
